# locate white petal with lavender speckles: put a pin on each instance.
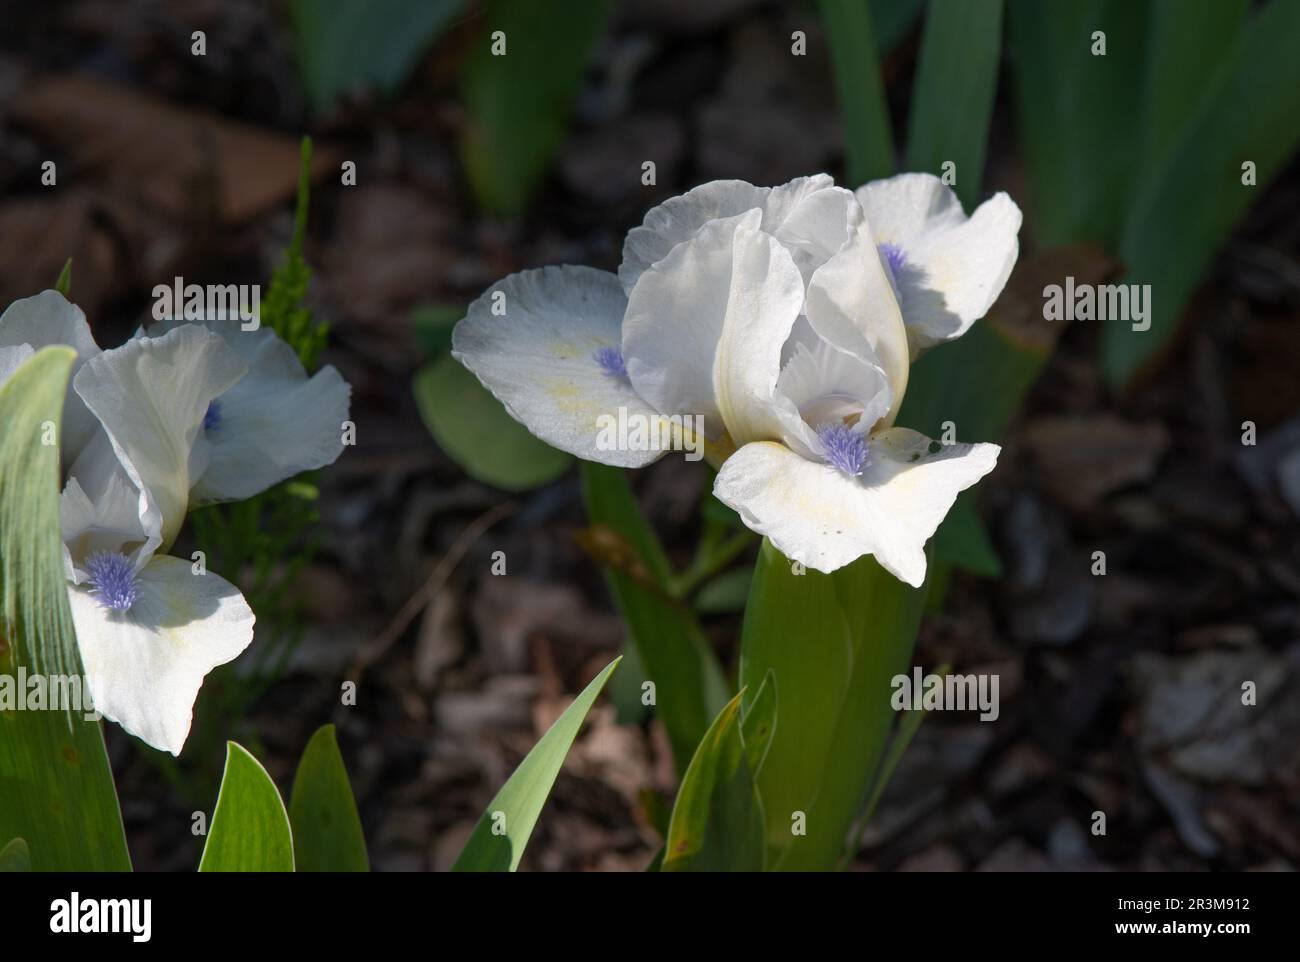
(552, 357)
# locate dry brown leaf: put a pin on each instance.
(1082, 459)
(174, 158)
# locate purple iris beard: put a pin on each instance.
(112, 580)
(845, 450)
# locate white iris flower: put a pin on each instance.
(188, 413)
(775, 314)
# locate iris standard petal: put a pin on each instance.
(705, 326)
(851, 305)
(151, 395)
(679, 218)
(947, 269)
(765, 297)
(810, 216)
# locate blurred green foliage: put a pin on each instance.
(1240, 105)
(469, 424)
(474, 430)
(864, 112)
(952, 96)
(519, 85)
(345, 46)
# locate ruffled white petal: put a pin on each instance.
(539, 358)
(151, 395)
(810, 216)
(813, 219)
(50, 318)
(145, 666)
(903, 207)
(816, 515)
(679, 218)
(274, 423)
(954, 267)
(851, 304)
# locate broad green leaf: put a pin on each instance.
(725, 593)
(717, 821)
(908, 725)
(1188, 204)
(1189, 42)
(517, 103)
(343, 46)
(1078, 114)
(891, 20)
(15, 857)
(250, 829)
(832, 644)
(690, 688)
(475, 431)
(502, 833)
(56, 788)
(758, 722)
(864, 114)
(327, 835)
(952, 96)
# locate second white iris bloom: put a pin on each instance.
(788, 317)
